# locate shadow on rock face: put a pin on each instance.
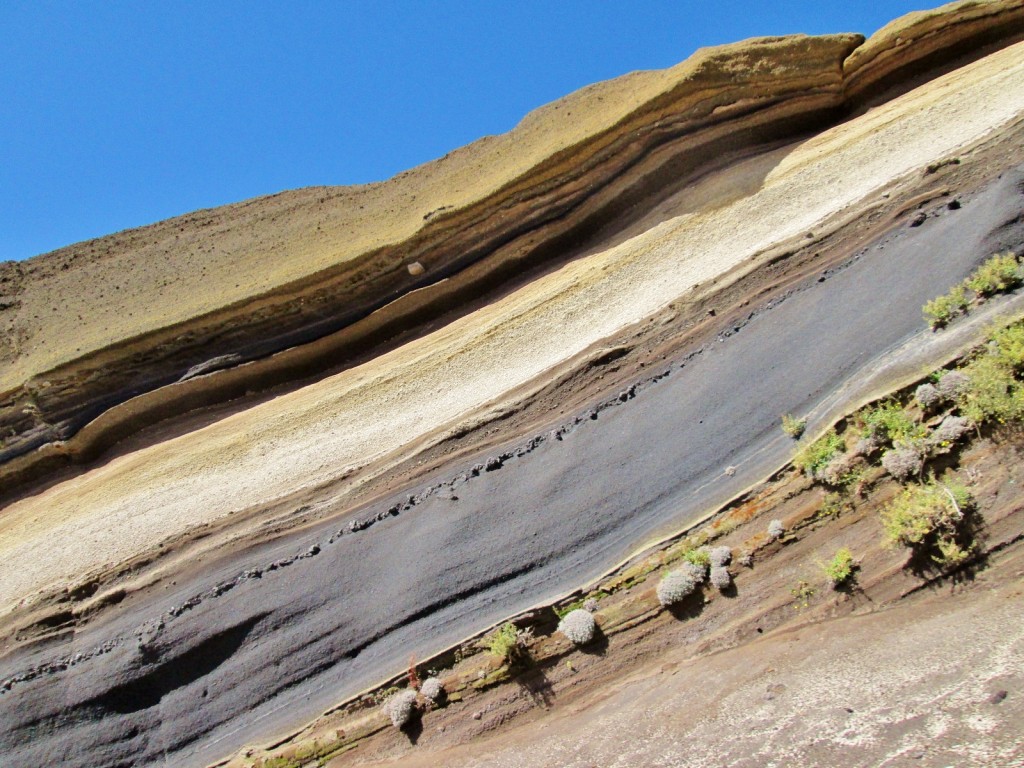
(535, 683)
(689, 608)
(413, 728)
(598, 646)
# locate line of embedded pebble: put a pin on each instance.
(147, 633)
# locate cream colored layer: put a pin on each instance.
(173, 271)
(315, 434)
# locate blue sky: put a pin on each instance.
(118, 114)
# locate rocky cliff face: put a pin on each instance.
(255, 455)
(107, 337)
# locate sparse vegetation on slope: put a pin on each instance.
(814, 457)
(839, 570)
(932, 519)
(579, 626)
(930, 516)
(942, 310)
(1001, 273)
(793, 426)
(506, 642)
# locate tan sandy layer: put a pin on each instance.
(91, 295)
(141, 280)
(315, 434)
(100, 340)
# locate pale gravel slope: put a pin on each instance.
(315, 434)
(908, 686)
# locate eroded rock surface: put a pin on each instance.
(617, 299)
(101, 336)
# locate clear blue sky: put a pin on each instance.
(118, 114)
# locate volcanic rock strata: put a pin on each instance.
(351, 423)
(278, 289)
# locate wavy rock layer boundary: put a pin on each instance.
(275, 290)
(209, 559)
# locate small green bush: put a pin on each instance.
(929, 511)
(834, 504)
(505, 642)
(951, 554)
(700, 557)
(814, 457)
(891, 422)
(989, 386)
(942, 310)
(993, 392)
(840, 568)
(1008, 343)
(1000, 273)
(793, 426)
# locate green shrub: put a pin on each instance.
(506, 642)
(700, 557)
(840, 568)
(951, 554)
(833, 505)
(927, 512)
(1000, 273)
(890, 421)
(814, 457)
(942, 310)
(793, 426)
(993, 393)
(1008, 343)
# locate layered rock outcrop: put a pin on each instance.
(610, 310)
(109, 336)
